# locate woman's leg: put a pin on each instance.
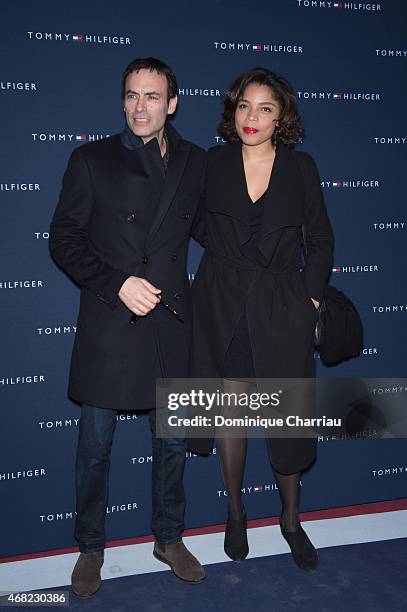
(302, 549)
(232, 451)
(289, 489)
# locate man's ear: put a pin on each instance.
(172, 105)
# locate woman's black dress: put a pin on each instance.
(238, 359)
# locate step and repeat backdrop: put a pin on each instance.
(60, 88)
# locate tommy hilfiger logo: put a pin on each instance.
(68, 137)
(390, 225)
(19, 187)
(257, 46)
(351, 184)
(346, 6)
(17, 86)
(100, 39)
(250, 489)
(347, 96)
(372, 268)
(390, 139)
(197, 91)
(391, 53)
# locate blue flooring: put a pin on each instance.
(360, 577)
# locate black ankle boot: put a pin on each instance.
(302, 549)
(236, 546)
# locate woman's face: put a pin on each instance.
(256, 115)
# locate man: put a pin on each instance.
(121, 231)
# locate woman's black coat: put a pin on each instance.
(276, 293)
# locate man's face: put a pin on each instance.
(146, 104)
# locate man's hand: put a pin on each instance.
(139, 295)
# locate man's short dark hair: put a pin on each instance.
(153, 65)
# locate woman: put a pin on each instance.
(254, 307)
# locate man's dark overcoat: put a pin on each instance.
(99, 237)
(269, 283)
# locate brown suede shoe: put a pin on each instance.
(86, 574)
(183, 563)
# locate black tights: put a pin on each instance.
(232, 453)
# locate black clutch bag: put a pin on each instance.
(338, 331)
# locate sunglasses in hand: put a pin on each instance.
(163, 303)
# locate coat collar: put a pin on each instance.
(282, 200)
(179, 154)
(145, 166)
(129, 139)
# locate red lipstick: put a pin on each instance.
(250, 130)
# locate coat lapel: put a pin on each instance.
(179, 154)
(282, 206)
(226, 195)
(282, 201)
(229, 183)
(140, 173)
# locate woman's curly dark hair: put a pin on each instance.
(289, 129)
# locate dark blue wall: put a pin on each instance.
(347, 62)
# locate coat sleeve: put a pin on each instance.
(319, 239)
(69, 240)
(199, 228)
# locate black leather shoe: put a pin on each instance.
(236, 546)
(86, 578)
(302, 549)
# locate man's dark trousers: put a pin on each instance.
(96, 430)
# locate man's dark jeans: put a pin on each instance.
(96, 430)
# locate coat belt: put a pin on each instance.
(237, 263)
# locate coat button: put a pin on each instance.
(130, 217)
(174, 257)
(186, 216)
(177, 296)
(145, 260)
